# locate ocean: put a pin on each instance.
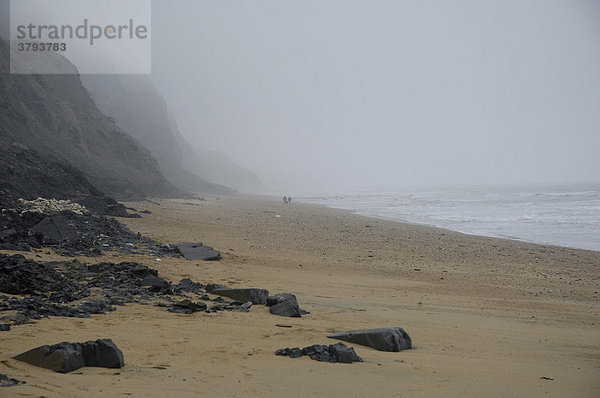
(562, 216)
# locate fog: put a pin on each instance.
(325, 96)
(331, 95)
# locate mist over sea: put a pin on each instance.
(558, 215)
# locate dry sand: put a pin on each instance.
(488, 317)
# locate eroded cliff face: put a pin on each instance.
(139, 109)
(54, 116)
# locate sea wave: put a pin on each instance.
(564, 217)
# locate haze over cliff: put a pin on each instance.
(140, 110)
(114, 136)
(55, 116)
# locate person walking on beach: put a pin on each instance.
(285, 200)
(289, 200)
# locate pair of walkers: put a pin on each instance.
(287, 200)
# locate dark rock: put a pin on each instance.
(197, 251)
(187, 307)
(37, 307)
(286, 308)
(387, 339)
(156, 284)
(95, 307)
(341, 353)
(4, 327)
(21, 276)
(338, 352)
(51, 287)
(7, 233)
(280, 298)
(187, 285)
(6, 381)
(289, 352)
(17, 319)
(66, 357)
(256, 296)
(145, 212)
(55, 228)
(220, 300)
(214, 286)
(105, 206)
(285, 304)
(72, 234)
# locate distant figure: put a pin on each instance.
(289, 200)
(285, 200)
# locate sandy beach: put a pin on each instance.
(487, 317)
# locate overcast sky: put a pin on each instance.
(327, 95)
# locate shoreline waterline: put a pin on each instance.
(551, 216)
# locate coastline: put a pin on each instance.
(488, 316)
(548, 215)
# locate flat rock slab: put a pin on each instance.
(256, 296)
(188, 307)
(66, 357)
(197, 251)
(386, 339)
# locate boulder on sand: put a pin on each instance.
(386, 339)
(66, 357)
(256, 296)
(338, 352)
(197, 251)
(285, 304)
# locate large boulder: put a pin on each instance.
(285, 304)
(386, 339)
(66, 357)
(197, 251)
(55, 228)
(256, 296)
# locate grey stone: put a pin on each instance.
(286, 308)
(197, 251)
(386, 339)
(6, 381)
(55, 228)
(66, 357)
(285, 304)
(256, 296)
(280, 298)
(7, 232)
(187, 307)
(338, 352)
(187, 285)
(214, 286)
(155, 283)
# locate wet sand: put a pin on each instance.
(488, 317)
